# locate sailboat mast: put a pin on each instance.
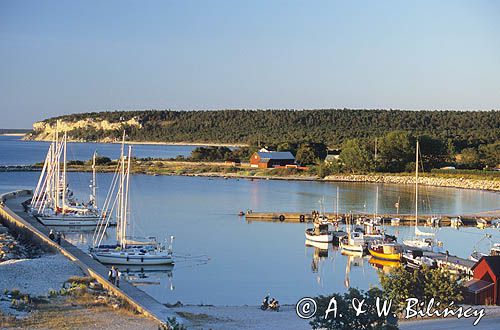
(126, 206)
(337, 208)
(416, 187)
(64, 172)
(94, 184)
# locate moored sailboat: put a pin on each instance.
(127, 250)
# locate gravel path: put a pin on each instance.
(37, 276)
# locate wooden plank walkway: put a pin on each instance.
(452, 262)
(12, 210)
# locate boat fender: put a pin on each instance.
(127, 258)
(282, 218)
(302, 218)
(142, 259)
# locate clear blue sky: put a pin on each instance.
(59, 57)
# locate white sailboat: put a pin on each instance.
(127, 250)
(353, 242)
(53, 203)
(419, 241)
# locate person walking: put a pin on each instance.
(59, 236)
(118, 274)
(52, 236)
(113, 275)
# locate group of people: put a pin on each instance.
(114, 276)
(272, 304)
(55, 236)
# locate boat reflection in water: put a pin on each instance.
(76, 235)
(148, 274)
(355, 259)
(320, 254)
(386, 266)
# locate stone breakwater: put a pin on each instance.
(464, 183)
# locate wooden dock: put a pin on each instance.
(405, 219)
(452, 263)
(13, 215)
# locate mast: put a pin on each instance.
(126, 206)
(337, 208)
(94, 185)
(64, 172)
(416, 188)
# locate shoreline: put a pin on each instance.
(383, 178)
(181, 143)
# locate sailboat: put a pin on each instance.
(127, 250)
(419, 241)
(53, 203)
(353, 242)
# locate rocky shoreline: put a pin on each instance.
(462, 183)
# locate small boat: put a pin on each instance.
(456, 222)
(434, 221)
(414, 258)
(319, 233)
(495, 223)
(481, 223)
(421, 243)
(353, 242)
(395, 221)
(386, 251)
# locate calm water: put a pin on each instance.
(14, 151)
(224, 260)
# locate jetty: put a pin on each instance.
(405, 219)
(13, 216)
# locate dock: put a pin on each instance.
(452, 263)
(405, 219)
(14, 217)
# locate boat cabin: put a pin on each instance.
(484, 288)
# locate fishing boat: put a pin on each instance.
(353, 242)
(53, 203)
(319, 233)
(386, 251)
(414, 258)
(419, 241)
(128, 250)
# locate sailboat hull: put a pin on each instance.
(116, 258)
(68, 221)
(322, 238)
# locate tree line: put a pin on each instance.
(332, 127)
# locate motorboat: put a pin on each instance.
(414, 258)
(386, 251)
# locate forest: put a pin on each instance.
(332, 127)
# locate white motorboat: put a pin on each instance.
(434, 221)
(421, 243)
(127, 250)
(481, 223)
(319, 233)
(414, 258)
(353, 242)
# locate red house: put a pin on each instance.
(269, 159)
(484, 288)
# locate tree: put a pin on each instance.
(395, 150)
(469, 158)
(356, 157)
(490, 154)
(423, 284)
(370, 320)
(306, 155)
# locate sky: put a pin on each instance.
(60, 57)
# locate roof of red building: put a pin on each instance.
(493, 263)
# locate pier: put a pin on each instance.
(405, 219)
(15, 218)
